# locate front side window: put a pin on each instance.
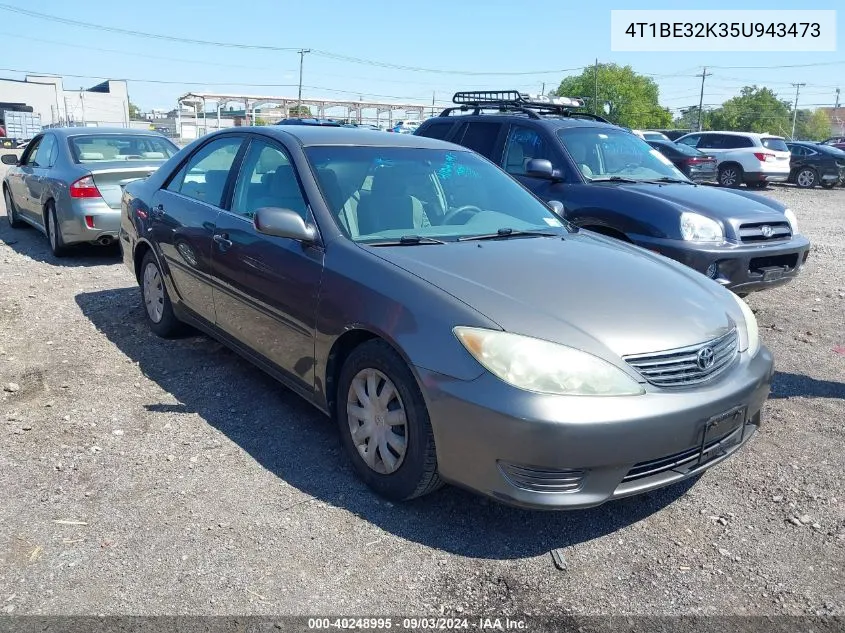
(120, 147)
(45, 155)
(378, 193)
(31, 152)
(205, 174)
(267, 179)
(524, 144)
(611, 154)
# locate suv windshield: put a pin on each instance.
(378, 193)
(119, 147)
(605, 153)
(775, 144)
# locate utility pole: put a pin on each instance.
(432, 103)
(596, 93)
(302, 52)
(543, 90)
(795, 109)
(704, 74)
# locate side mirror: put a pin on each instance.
(541, 168)
(284, 223)
(557, 207)
(9, 159)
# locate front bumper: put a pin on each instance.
(739, 267)
(76, 214)
(584, 451)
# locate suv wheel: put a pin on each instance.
(384, 424)
(730, 176)
(806, 178)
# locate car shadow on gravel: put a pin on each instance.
(299, 445)
(786, 385)
(33, 243)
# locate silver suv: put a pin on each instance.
(755, 159)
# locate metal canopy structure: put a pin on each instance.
(354, 110)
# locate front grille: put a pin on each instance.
(678, 460)
(687, 366)
(542, 479)
(757, 231)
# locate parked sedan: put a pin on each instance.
(813, 164)
(68, 181)
(695, 164)
(473, 337)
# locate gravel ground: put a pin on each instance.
(143, 476)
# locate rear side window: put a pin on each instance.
(481, 137)
(439, 130)
(774, 144)
(737, 142)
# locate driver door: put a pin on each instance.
(524, 144)
(21, 181)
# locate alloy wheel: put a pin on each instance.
(728, 177)
(806, 178)
(377, 421)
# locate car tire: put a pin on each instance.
(730, 176)
(408, 469)
(11, 212)
(54, 233)
(157, 306)
(806, 178)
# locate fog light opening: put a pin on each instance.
(89, 221)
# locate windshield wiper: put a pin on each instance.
(407, 240)
(671, 180)
(614, 179)
(505, 233)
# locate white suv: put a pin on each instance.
(755, 159)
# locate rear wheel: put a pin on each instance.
(54, 231)
(806, 178)
(384, 425)
(11, 211)
(157, 306)
(730, 176)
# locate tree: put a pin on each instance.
(300, 111)
(689, 119)
(134, 112)
(812, 125)
(754, 110)
(624, 97)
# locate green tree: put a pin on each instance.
(624, 97)
(300, 111)
(689, 119)
(812, 125)
(753, 110)
(134, 112)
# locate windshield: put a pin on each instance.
(378, 193)
(601, 153)
(120, 147)
(775, 144)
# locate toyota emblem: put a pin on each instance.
(706, 357)
(766, 230)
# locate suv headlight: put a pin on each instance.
(793, 220)
(752, 330)
(544, 367)
(698, 228)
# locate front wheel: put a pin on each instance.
(806, 178)
(730, 176)
(384, 425)
(157, 306)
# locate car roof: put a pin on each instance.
(731, 133)
(66, 132)
(550, 121)
(307, 135)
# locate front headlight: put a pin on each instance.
(793, 220)
(698, 228)
(544, 367)
(752, 330)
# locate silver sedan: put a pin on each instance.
(68, 181)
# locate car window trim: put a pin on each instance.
(166, 183)
(31, 150)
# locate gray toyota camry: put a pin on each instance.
(457, 328)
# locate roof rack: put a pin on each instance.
(514, 101)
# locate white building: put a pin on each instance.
(106, 104)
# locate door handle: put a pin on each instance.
(222, 240)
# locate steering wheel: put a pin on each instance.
(468, 209)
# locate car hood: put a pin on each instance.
(589, 292)
(711, 201)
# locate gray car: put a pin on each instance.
(67, 183)
(456, 327)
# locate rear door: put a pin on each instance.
(267, 288)
(184, 213)
(20, 180)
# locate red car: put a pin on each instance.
(835, 141)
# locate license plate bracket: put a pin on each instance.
(774, 273)
(722, 426)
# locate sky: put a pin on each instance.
(359, 49)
